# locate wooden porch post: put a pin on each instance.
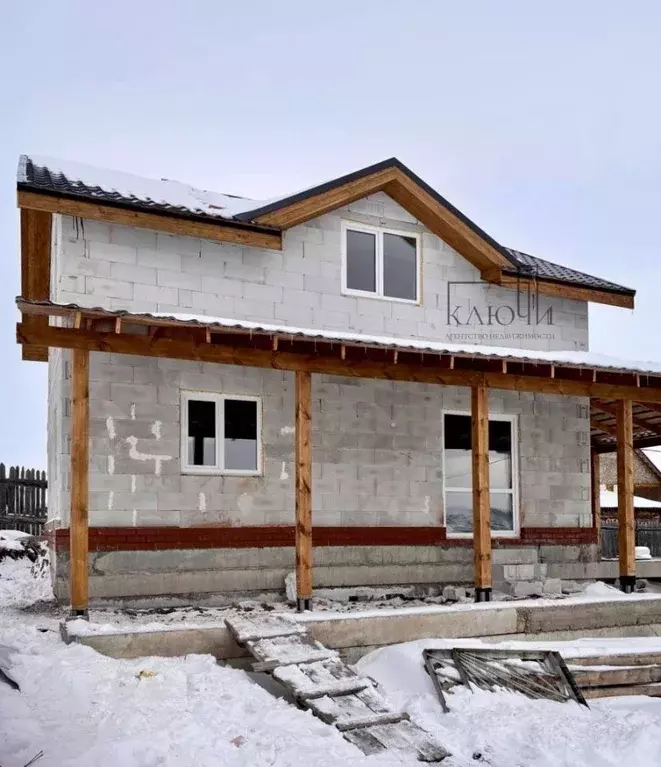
(595, 495)
(481, 502)
(79, 482)
(303, 491)
(626, 537)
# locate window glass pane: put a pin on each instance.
(502, 512)
(240, 435)
(361, 261)
(457, 441)
(500, 455)
(399, 266)
(459, 512)
(201, 433)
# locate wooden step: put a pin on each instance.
(314, 680)
(245, 628)
(272, 652)
(610, 677)
(402, 735)
(362, 709)
(650, 690)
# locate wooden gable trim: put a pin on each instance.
(223, 231)
(36, 233)
(437, 217)
(560, 289)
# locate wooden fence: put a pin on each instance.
(22, 499)
(648, 533)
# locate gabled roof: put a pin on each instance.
(70, 187)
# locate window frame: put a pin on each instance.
(513, 491)
(378, 232)
(219, 400)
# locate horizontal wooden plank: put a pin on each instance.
(162, 222)
(561, 289)
(172, 348)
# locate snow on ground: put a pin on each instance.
(82, 709)
(508, 730)
(85, 710)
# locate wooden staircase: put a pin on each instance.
(321, 682)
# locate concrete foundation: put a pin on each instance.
(356, 634)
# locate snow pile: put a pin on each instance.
(601, 590)
(505, 730)
(24, 569)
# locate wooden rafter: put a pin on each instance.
(324, 356)
(641, 423)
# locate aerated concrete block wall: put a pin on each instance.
(376, 444)
(120, 267)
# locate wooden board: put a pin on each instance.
(272, 652)
(404, 736)
(249, 627)
(314, 680)
(362, 709)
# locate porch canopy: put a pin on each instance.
(625, 401)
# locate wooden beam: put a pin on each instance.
(173, 348)
(636, 420)
(220, 230)
(481, 502)
(595, 494)
(36, 227)
(303, 417)
(79, 482)
(560, 289)
(625, 490)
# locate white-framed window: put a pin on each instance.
(220, 433)
(380, 263)
(458, 475)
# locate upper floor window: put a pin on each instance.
(220, 434)
(380, 262)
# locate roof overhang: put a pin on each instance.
(335, 353)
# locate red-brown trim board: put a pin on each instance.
(279, 536)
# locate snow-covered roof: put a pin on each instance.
(608, 500)
(581, 359)
(653, 454)
(50, 174)
(117, 186)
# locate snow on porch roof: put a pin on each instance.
(608, 500)
(565, 358)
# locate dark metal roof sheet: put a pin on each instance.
(174, 198)
(539, 267)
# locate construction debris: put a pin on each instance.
(536, 674)
(322, 683)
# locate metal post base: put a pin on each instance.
(73, 614)
(303, 604)
(628, 583)
(483, 594)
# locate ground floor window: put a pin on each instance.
(220, 434)
(458, 474)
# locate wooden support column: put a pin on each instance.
(626, 537)
(303, 491)
(481, 502)
(79, 482)
(595, 496)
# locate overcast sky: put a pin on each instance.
(540, 121)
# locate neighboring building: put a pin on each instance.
(647, 473)
(204, 315)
